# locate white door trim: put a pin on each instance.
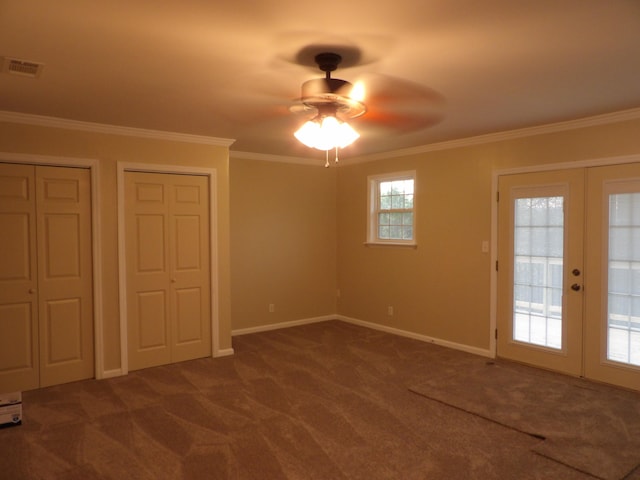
(123, 167)
(96, 238)
(597, 162)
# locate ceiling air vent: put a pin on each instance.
(26, 68)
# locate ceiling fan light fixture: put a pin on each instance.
(326, 133)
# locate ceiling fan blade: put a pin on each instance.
(400, 105)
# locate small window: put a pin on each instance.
(391, 209)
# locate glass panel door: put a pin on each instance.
(540, 269)
(612, 301)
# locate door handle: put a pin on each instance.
(575, 287)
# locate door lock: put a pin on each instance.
(575, 287)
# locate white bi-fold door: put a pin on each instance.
(167, 268)
(46, 293)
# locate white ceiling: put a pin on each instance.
(231, 68)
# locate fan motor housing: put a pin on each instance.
(325, 86)
(329, 96)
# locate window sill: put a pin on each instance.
(391, 244)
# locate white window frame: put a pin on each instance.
(373, 208)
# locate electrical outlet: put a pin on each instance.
(272, 308)
(390, 310)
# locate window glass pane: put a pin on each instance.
(408, 201)
(408, 186)
(395, 209)
(397, 201)
(623, 306)
(396, 218)
(395, 232)
(538, 257)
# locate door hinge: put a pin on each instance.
(496, 333)
(497, 196)
(496, 265)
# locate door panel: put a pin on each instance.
(190, 265)
(152, 321)
(18, 279)
(65, 277)
(64, 316)
(147, 236)
(612, 339)
(539, 314)
(168, 273)
(18, 343)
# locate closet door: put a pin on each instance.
(64, 274)
(46, 292)
(168, 274)
(18, 279)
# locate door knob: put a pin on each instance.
(32, 290)
(575, 272)
(575, 287)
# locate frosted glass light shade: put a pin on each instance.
(326, 133)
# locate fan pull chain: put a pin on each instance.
(326, 163)
(336, 154)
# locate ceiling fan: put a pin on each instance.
(331, 101)
(328, 103)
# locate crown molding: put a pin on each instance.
(265, 157)
(55, 122)
(596, 120)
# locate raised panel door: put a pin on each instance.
(148, 281)
(64, 274)
(168, 273)
(18, 279)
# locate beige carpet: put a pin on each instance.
(590, 427)
(328, 401)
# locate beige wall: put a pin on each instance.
(109, 149)
(283, 242)
(441, 289)
(292, 234)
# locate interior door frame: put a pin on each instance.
(211, 173)
(96, 238)
(496, 174)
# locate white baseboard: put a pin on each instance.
(416, 336)
(223, 352)
(277, 326)
(116, 372)
(395, 331)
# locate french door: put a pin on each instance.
(569, 271)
